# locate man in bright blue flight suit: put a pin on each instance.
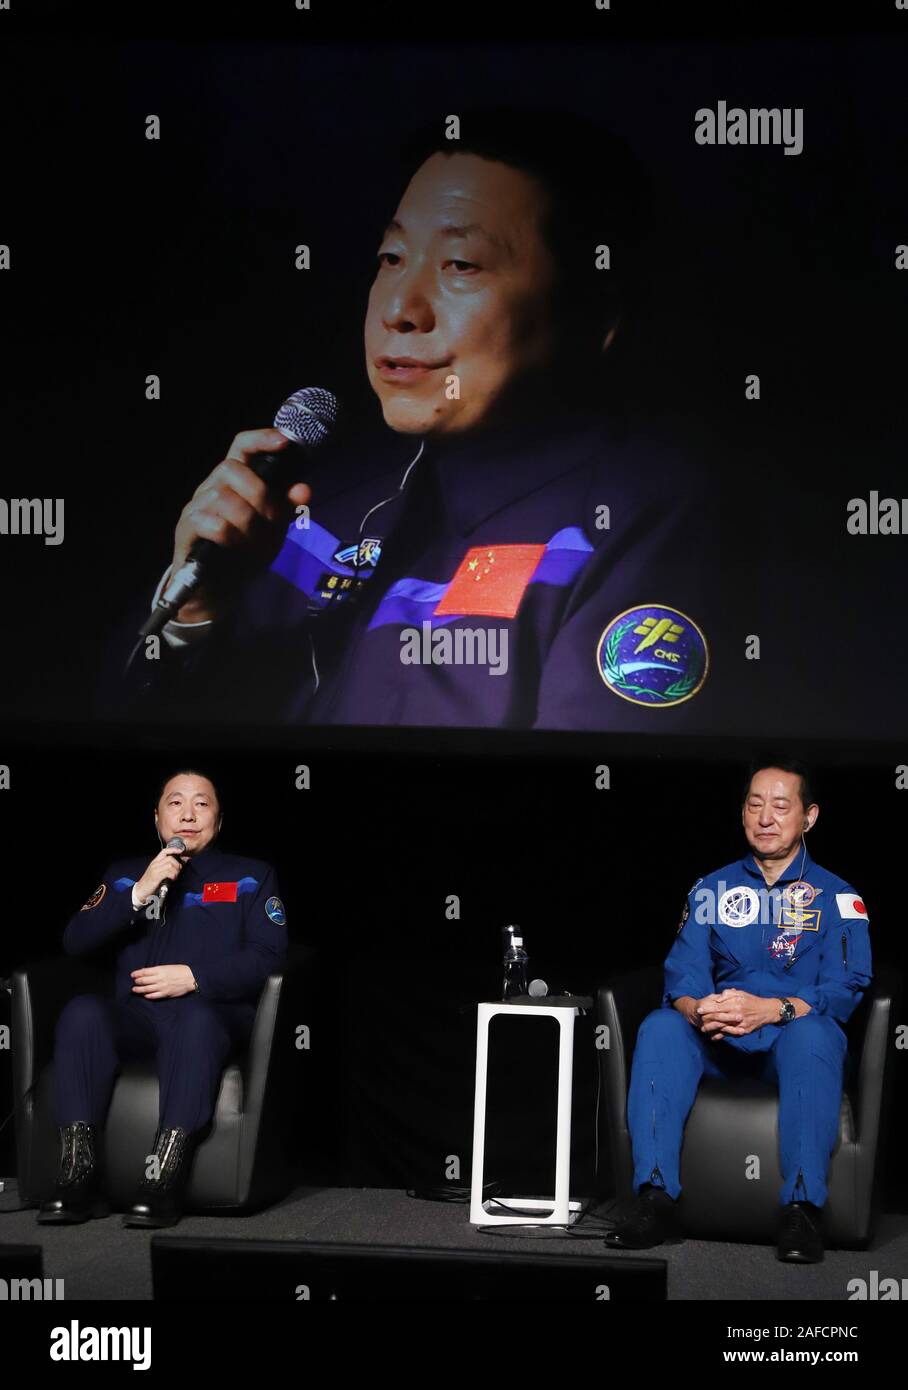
(771, 957)
(190, 965)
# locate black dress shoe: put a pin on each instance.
(78, 1194)
(160, 1199)
(650, 1221)
(800, 1241)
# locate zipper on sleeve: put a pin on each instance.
(844, 951)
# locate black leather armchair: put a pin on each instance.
(242, 1164)
(731, 1120)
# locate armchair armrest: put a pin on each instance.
(622, 1005)
(873, 1020)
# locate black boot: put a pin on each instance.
(800, 1240)
(650, 1221)
(78, 1194)
(160, 1199)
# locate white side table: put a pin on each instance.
(562, 1211)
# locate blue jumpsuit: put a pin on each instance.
(224, 919)
(583, 551)
(806, 938)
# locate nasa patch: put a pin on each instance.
(653, 655)
(275, 910)
(95, 898)
(782, 946)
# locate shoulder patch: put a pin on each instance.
(96, 897)
(275, 910)
(850, 905)
(653, 655)
(685, 911)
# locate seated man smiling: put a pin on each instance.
(198, 931)
(772, 956)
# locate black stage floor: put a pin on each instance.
(102, 1260)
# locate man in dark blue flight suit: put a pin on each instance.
(495, 553)
(772, 956)
(191, 963)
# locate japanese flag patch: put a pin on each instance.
(850, 905)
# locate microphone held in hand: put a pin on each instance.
(175, 843)
(308, 419)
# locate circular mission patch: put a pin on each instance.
(95, 898)
(275, 910)
(739, 907)
(653, 655)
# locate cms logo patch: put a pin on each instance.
(275, 910)
(653, 655)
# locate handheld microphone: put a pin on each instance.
(175, 843)
(308, 419)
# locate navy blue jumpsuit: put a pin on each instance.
(223, 917)
(592, 556)
(807, 938)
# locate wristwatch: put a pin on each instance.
(787, 1011)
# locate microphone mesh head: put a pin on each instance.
(308, 416)
(176, 843)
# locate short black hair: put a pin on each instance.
(187, 772)
(784, 764)
(598, 193)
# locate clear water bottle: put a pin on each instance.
(515, 963)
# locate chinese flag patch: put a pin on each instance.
(219, 893)
(490, 581)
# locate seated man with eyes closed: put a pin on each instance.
(771, 958)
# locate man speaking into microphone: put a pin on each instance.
(198, 932)
(496, 550)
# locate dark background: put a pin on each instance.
(175, 258)
(366, 860)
